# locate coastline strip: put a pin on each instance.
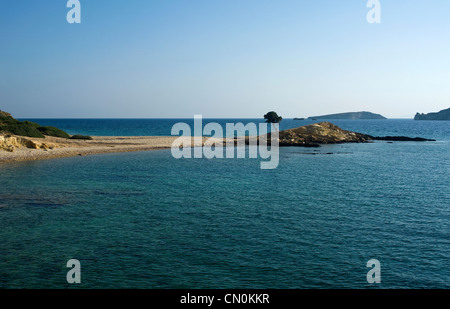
(61, 148)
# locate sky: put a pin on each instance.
(223, 58)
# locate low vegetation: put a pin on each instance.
(52, 131)
(27, 128)
(83, 137)
(23, 128)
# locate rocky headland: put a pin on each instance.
(321, 133)
(11, 143)
(442, 115)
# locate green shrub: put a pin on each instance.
(27, 128)
(78, 136)
(22, 129)
(52, 131)
(272, 117)
(36, 125)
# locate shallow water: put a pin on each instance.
(147, 220)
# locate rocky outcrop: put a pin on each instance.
(11, 143)
(5, 114)
(319, 133)
(442, 115)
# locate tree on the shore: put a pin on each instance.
(272, 117)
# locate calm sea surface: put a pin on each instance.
(147, 220)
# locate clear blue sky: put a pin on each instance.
(228, 58)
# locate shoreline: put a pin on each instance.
(62, 148)
(33, 149)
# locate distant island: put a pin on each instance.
(442, 115)
(351, 115)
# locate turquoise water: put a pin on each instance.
(147, 220)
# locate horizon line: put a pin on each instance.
(118, 118)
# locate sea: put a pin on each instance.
(145, 220)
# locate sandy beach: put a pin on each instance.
(59, 147)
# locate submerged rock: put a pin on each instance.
(401, 139)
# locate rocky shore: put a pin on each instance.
(319, 133)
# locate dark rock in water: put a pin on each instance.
(316, 153)
(442, 115)
(300, 144)
(401, 139)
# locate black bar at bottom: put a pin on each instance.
(221, 298)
